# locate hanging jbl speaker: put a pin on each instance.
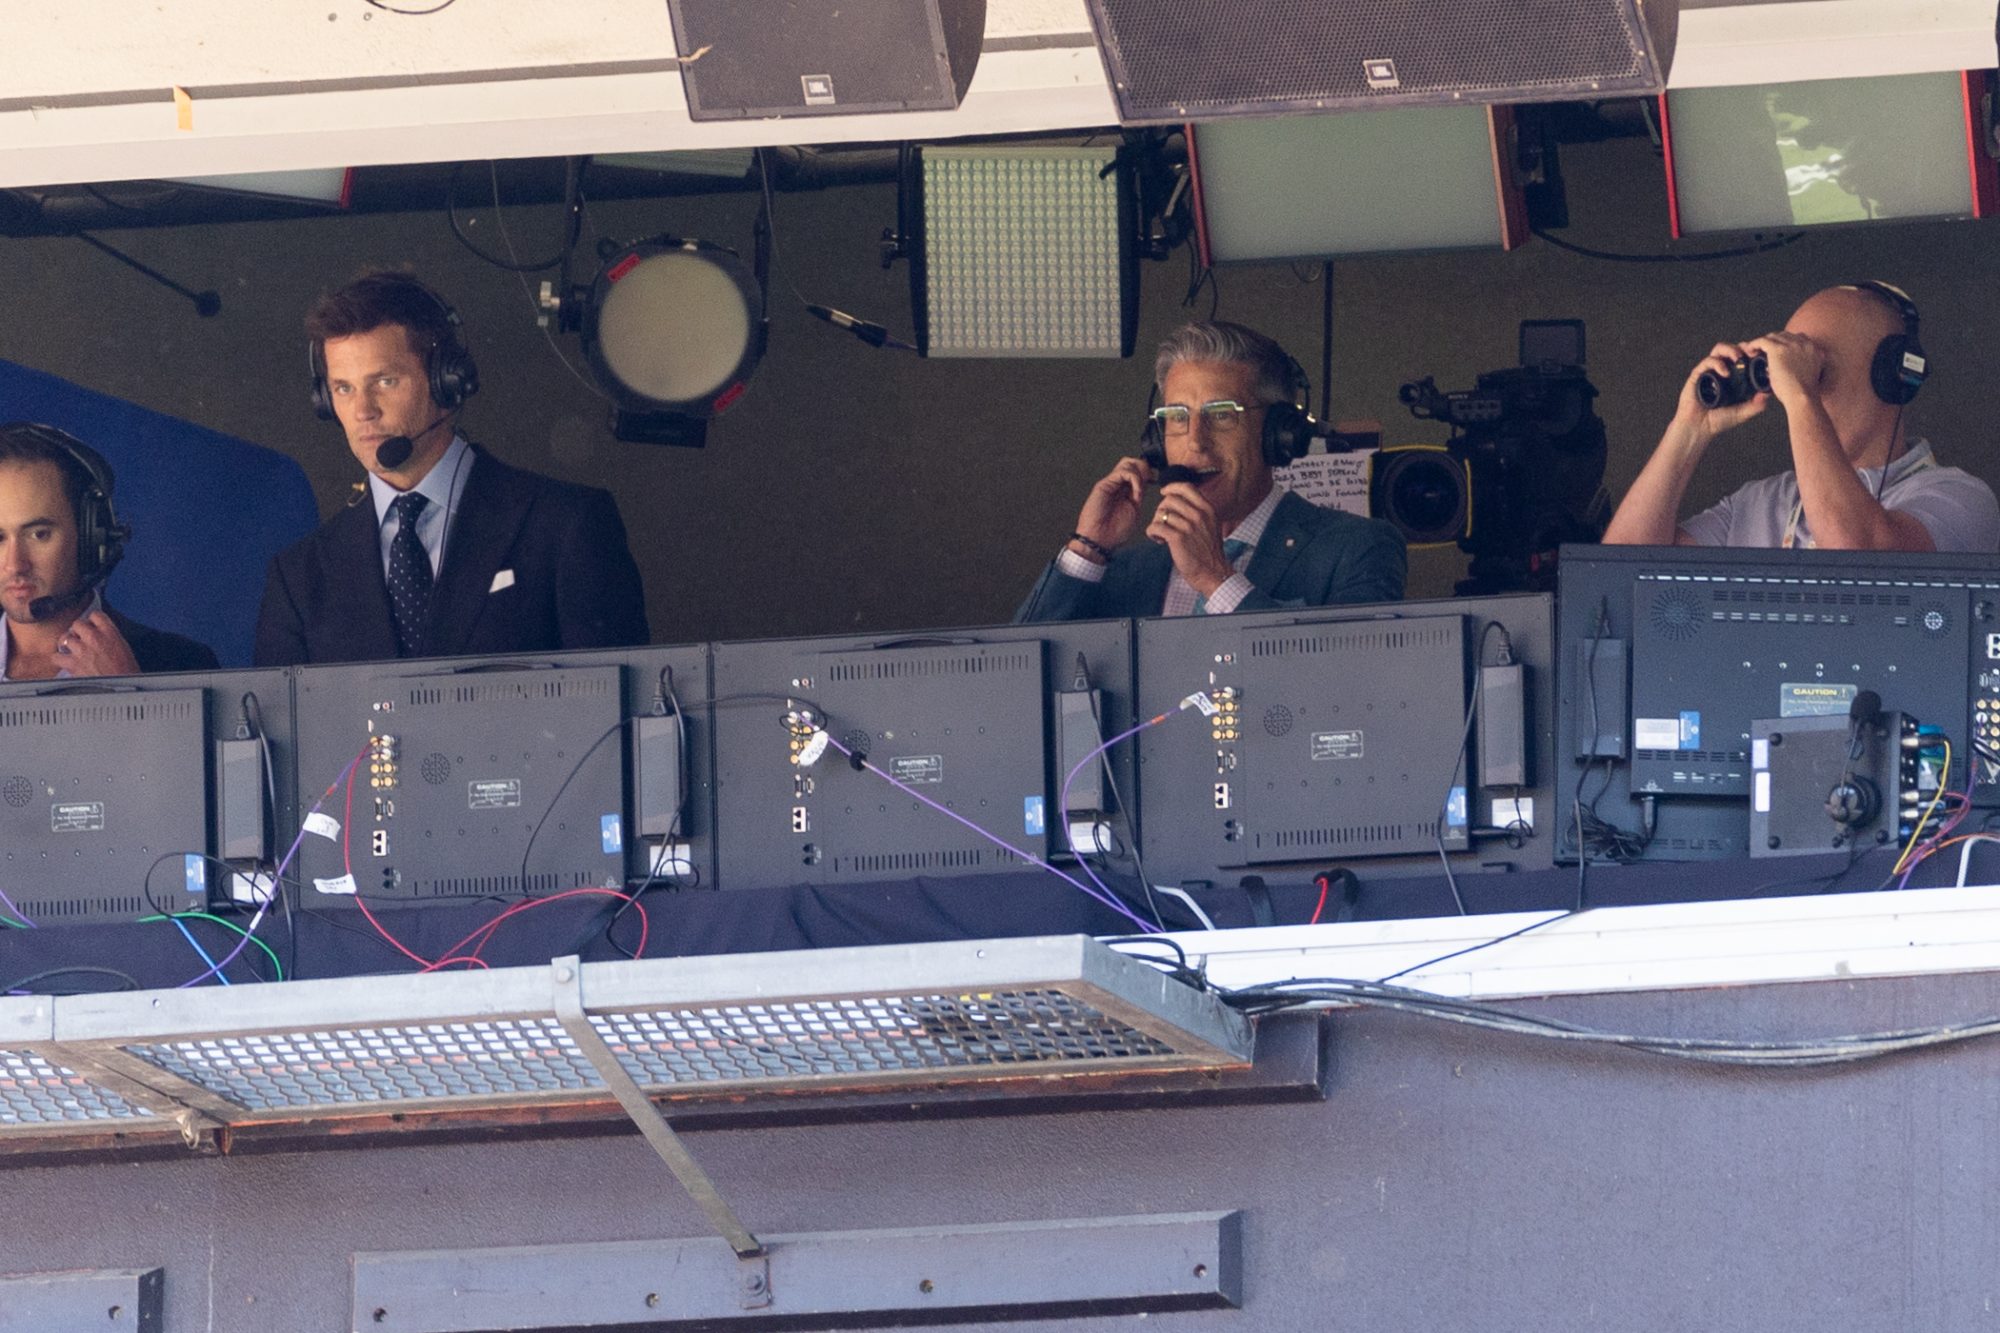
(1178, 60)
(758, 58)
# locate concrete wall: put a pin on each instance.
(1453, 1180)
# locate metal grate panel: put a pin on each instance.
(34, 1091)
(870, 1035)
(831, 1020)
(352, 1066)
(662, 1049)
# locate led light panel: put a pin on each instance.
(1024, 252)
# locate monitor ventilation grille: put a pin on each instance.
(75, 713)
(1741, 758)
(963, 858)
(1786, 596)
(500, 886)
(567, 686)
(102, 907)
(1349, 835)
(1370, 638)
(887, 667)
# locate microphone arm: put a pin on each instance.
(395, 451)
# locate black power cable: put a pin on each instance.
(1614, 256)
(458, 228)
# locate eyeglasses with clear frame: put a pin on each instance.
(1224, 416)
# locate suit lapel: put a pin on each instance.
(1280, 545)
(354, 542)
(490, 513)
(1152, 569)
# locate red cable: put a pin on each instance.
(487, 930)
(347, 864)
(452, 956)
(1325, 883)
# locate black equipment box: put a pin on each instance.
(455, 771)
(1715, 638)
(1341, 735)
(964, 719)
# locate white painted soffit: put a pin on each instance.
(1781, 41)
(86, 93)
(1668, 946)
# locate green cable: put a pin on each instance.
(277, 966)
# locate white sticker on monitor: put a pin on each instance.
(345, 884)
(1656, 733)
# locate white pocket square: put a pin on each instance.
(504, 579)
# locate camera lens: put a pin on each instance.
(1423, 492)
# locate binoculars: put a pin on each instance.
(1745, 380)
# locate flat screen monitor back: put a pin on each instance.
(1732, 635)
(962, 716)
(455, 771)
(95, 788)
(1346, 748)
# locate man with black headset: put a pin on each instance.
(1223, 537)
(445, 549)
(1843, 369)
(59, 540)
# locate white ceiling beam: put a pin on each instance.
(86, 94)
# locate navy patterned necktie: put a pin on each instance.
(409, 576)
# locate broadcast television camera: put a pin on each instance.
(1522, 473)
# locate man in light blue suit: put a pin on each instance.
(1224, 537)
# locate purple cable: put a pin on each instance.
(1062, 806)
(1937, 838)
(998, 841)
(277, 884)
(19, 915)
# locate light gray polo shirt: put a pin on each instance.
(1955, 507)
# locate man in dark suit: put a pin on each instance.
(1224, 536)
(446, 550)
(59, 540)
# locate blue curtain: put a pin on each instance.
(208, 511)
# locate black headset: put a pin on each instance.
(100, 537)
(1900, 367)
(1288, 427)
(453, 375)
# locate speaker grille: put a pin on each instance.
(1175, 59)
(1677, 614)
(757, 58)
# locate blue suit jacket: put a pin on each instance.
(1308, 556)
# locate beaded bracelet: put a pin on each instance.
(1095, 546)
